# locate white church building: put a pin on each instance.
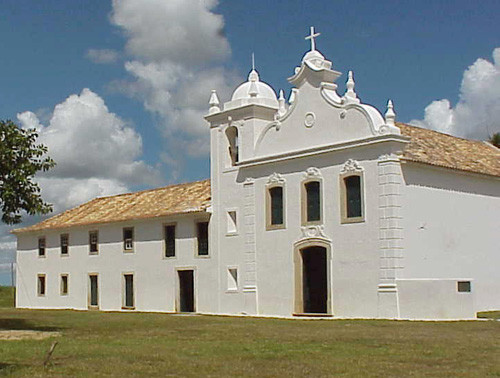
(318, 205)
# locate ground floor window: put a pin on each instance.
(128, 290)
(94, 290)
(64, 284)
(41, 285)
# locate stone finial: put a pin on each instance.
(214, 103)
(390, 116)
(281, 102)
(253, 91)
(291, 99)
(350, 94)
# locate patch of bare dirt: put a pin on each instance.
(27, 335)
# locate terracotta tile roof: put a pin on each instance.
(174, 199)
(443, 150)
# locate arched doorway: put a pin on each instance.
(312, 278)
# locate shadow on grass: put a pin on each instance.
(23, 324)
(6, 368)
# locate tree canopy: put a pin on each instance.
(20, 159)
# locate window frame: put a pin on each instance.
(61, 236)
(39, 291)
(42, 247)
(132, 246)
(92, 232)
(124, 291)
(197, 243)
(269, 214)
(62, 292)
(344, 219)
(468, 284)
(304, 198)
(228, 278)
(236, 221)
(89, 295)
(164, 228)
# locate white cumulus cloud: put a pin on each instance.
(477, 113)
(96, 152)
(177, 48)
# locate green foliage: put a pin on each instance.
(495, 140)
(20, 159)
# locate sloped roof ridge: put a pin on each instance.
(143, 191)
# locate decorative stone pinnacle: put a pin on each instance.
(214, 103)
(291, 99)
(311, 36)
(350, 93)
(390, 116)
(281, 102)
(253, 91)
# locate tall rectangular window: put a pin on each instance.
(94, 242)
(128, 239)
(129, 291)
(64, 284)
(41, 246)
(41, 285)
(232, 222)
(313, 201)
(64, 244)
(276, 199)
(94, 290)
(353, 196)
(169, 241)
(202, 236)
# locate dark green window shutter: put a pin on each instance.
(353, 196)
(169, 241)
(129, 290)
(276, 194)
(313, 201)
(203, 238)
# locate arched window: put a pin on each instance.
(232, 137)
(313, 201)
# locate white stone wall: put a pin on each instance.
(452, 227)
(155, 277)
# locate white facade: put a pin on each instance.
(424, 244)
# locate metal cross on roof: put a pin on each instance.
(311, 37)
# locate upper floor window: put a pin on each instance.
(169, 240)
(128, 239)
(202, 236)
(275, 207)
(64, 244)
(232, 137)
(94, 242)
(313, 201)
(41, 246)
(352, 198)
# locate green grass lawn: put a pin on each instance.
(141, 344)
(6, 296)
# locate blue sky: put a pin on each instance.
(149, 66)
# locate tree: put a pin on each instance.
(495, 140)
(20, 159)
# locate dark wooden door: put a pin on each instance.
(314, 275)
(186, 290)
